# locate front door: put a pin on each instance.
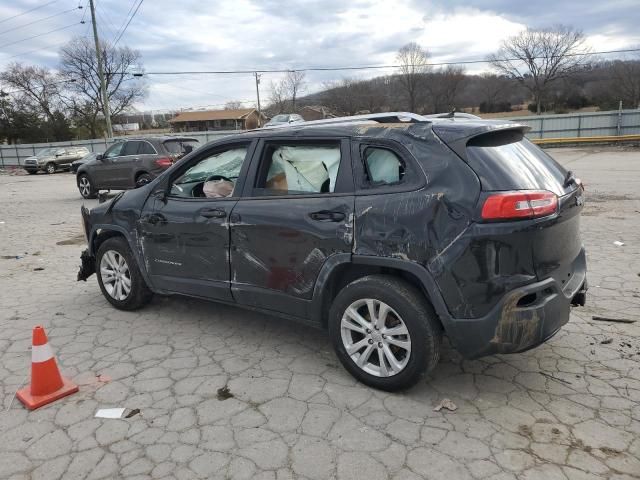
(107, 172)
(294, 216)
(185, 235)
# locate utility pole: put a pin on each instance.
(103, 85)
(258, 95)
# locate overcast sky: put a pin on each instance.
(270, 34)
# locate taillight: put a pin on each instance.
(164, 162)
(519, 204)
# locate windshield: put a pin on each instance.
(46, 151)
(508, 161)
(280, 118)
(181, 147)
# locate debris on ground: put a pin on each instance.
(11, 257)
(75, 240)
(110, 413)
(552, 377)
(618, 243)
(609, 319)
(132, 413)
(606, 341)
(224, 393)
(38, 269)
(447, 404)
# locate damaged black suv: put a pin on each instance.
(389, 230)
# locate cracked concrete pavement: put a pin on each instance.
(569, 409)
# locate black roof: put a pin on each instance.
(157, 138)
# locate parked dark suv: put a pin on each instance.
(388, 233)
(131, 163)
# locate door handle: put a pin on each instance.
(155, 219)
(213, 213)
(327, 216)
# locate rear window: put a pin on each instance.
(506, 160)
(180, 147)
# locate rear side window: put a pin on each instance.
(299, 169)
(180, 147)
(508, 161)
(382, 166)
(146, 149)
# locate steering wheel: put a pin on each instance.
(218, 177)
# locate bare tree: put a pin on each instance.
(78, 61)
(444, 87)
(277, 98)
(37, 88)
(494, 90)
(626, 80)
(233, 105)
(537, 58)
(294, 84)
(414, 66)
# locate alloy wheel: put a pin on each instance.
(375, 337)
(85, 186)
(51, 168)
(115, 275)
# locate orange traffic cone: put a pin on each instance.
(47, 385)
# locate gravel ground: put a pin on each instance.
(569, 409)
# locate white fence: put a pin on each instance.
(592, 124)
(14, 155)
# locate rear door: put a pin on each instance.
(295, 213)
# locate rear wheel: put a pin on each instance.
(119, 277)
(50, 168)
(384, 332)
(86, 188)
(143, 179)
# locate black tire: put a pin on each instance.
(142, 179)
(88, 193)
(415, 311)
(139, 295)
(50, 168)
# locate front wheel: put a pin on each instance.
(143, 179)
(119, 276)
(50, 168)
(385, 332)
(86, 188)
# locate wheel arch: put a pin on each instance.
(339, 272)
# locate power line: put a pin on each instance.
(41, 34)
(28, 11)
(18, 90)
(127, 25)
(40, 20)
(367, 67)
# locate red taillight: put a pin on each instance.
(519, 204)
(164, 162)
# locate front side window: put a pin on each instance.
(382, 166)
(114, 150)
(214, 176)
(299, 169)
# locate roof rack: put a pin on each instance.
(387, 117)
(451, 115)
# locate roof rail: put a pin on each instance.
(387, 117)
(450, 115)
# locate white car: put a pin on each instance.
(285, 119)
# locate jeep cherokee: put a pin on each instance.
(389, 230)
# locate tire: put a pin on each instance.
(115, 251)
(408, 307)
(85, 187)
(142, 179)
(50, 168)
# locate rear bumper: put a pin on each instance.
(524, 318)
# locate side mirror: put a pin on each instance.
(160, 194)
(99, 156)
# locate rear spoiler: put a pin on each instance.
(457, 138)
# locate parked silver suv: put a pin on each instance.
(54, 158)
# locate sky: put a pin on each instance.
(190, 35)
